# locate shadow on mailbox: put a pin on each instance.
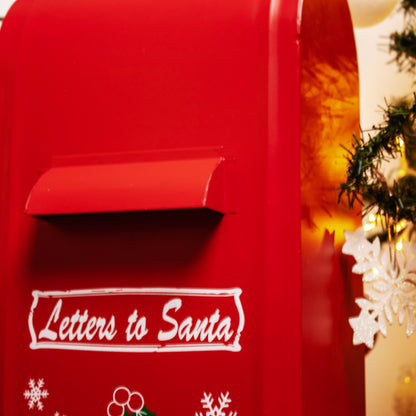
(146, 242)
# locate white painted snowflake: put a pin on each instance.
(36, 393)
(223, 402)
(389, 286)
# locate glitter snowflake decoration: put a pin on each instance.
(389, 286)
(223, 403)
(36, 393)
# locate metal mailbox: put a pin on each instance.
(158, 252)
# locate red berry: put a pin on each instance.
(121, 395)
(115, 409)
(136, 402)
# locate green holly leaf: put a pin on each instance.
(146, 412)
(143, 412)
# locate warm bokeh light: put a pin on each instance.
(369, 226)
(399, 245)
(330, 103)
(329, 117)
(401, 225)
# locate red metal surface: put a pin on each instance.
(121, 187)
(102, 308)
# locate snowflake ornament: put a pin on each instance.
(36, 393)
(389, 276)
(223, 402)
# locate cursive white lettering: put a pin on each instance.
(166, 335)
(140, 329)
(46, 332)
(211, 328)
(72, 327)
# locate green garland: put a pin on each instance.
(366, 183)
(403, 44)
(408, 6)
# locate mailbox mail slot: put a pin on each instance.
(140, 186)
(155, 236)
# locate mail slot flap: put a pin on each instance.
(118, 187)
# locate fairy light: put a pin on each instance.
(399, 245)
(400, 142)
(371, 222)
(369, 226)
(401, 145)
(401, 225)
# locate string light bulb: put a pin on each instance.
(399, 245)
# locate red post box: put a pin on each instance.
(158, 254)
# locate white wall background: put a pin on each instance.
(393, 358)
(4, 6)
(379, 77)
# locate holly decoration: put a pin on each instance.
(143, 412)
(127, 403)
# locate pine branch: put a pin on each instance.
(403, 43)
(365, 181)
(408, 6)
